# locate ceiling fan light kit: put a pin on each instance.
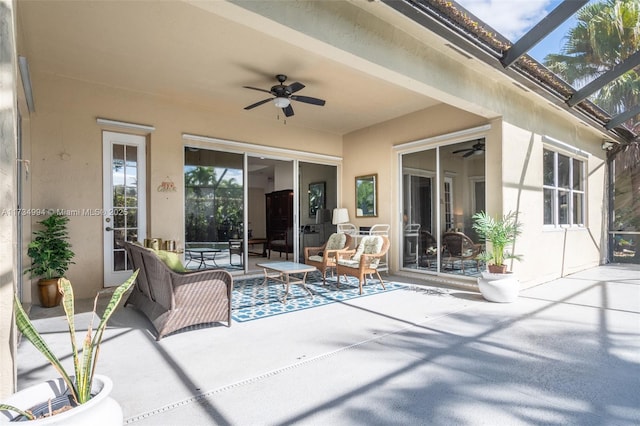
(281, 102)
(283, 95)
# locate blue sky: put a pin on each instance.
(513, 18)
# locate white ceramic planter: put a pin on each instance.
(501, 288)
(101, 409)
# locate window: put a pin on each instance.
(563, 189)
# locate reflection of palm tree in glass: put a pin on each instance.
(212, 204)
(606, 34)
(365, 198)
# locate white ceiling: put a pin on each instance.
(181, 52)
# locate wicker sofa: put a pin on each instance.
(173, 300)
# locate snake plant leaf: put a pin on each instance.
(25, 326)
(68, 303)
(84, 366)
(28, 414)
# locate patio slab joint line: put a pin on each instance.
(205, 395)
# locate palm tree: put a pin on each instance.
(606, 34)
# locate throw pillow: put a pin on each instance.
(172, 260)
(336, 241)
(368, 245)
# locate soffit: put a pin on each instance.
(197, 55)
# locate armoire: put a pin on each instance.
(279, 221)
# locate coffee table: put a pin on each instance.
(282, 271)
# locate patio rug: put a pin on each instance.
(251, 300)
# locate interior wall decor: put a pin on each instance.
(317, 199)
(367, 196)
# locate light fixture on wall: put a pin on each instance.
(607, 145)
(281, 102)
(340, 216)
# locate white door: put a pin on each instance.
(124, 203)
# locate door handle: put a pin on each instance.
(108, 228)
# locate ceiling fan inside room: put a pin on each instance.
(476, 149)
(282, 95)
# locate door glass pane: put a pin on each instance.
(214, 207)
(132, 218)
(118, 219)
(119, 262)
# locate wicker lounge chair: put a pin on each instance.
(173, 300)
(364, 259)
(324, 257)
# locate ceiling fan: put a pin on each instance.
(283, 95)
(476, 149)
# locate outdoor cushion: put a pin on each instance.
(172, 260)
(316, 258)
(336, 241)
(355, 263)
(368, 245)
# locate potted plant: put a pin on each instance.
(78, 399)
(51, 255)
(498, 285)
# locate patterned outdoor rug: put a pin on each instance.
(251, 300)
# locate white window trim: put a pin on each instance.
(573, 153)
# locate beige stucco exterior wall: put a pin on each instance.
(67, 157)
(513, 164)
(8, 246)
(371, 150)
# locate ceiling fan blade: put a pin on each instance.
(264, 101)
(256, 88)
(294, 87)
(462, 150)
(469, 154)
(288, 111)
(308, 100)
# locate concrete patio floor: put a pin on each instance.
(566, 353)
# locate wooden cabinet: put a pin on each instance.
(279, 220)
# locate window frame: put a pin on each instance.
(570, 190)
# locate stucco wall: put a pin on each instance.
(67, 157)
(513, 163)
(7, 196)
(370, 150)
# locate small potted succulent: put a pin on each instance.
(78, 398)
(51, 255)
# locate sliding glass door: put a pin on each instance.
(214, 207)
(442, 187)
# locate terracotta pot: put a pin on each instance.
(48, 292)
(100, 409)
(497, 269)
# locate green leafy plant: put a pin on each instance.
(50, 251)
(501, 233)
(84, 361)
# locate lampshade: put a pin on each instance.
(281, 102)
(340, 216)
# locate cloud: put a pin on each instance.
(511, 18)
